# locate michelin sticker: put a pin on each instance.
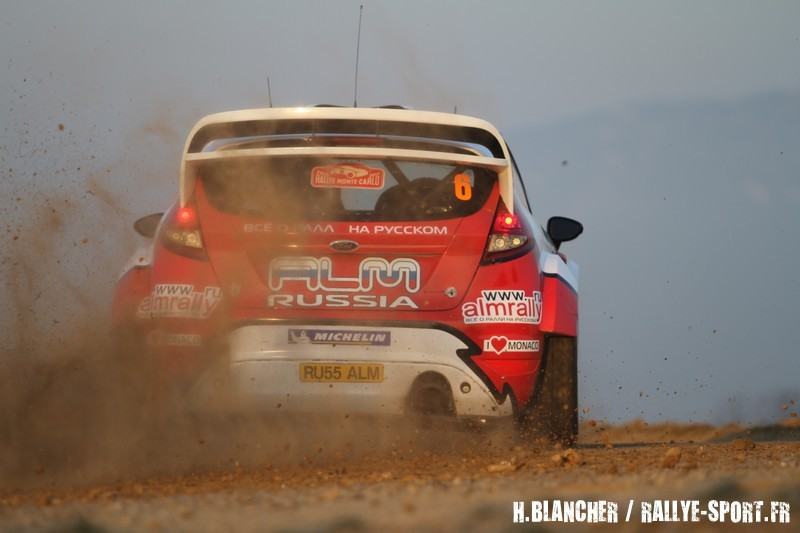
(504, 306)
(175, 300)
(333, 336)
(500, 343)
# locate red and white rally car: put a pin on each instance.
(360, 261)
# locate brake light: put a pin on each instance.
(186, 216)
(181, 232)
(509, 238)
(506, 221)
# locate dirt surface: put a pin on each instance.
(366, 479)
(80, 452)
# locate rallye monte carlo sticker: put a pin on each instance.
(334, 336)
(504, 306)
(317, 275)
(347, 176)
(500, 343)
(177, 300)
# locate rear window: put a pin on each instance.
(306, 188)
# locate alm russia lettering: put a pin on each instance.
(316, 274)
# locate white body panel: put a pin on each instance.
(498, 165)
(142, 256)
(263, 373)
(553, 264)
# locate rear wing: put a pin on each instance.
(483, 146)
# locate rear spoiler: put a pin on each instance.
(487, 145)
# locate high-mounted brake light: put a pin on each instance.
(181, 232)
(509, 238)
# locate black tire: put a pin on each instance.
(554, 411)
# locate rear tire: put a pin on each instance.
(554, 413)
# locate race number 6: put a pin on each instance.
(463, 189)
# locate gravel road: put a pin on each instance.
(444, 481)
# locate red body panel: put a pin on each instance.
(515, 370)
(428, 272)
(242, 250)
(560, 315)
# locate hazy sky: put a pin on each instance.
(672, 129)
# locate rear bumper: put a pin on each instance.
(262, 371)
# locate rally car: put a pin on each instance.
(375, 261)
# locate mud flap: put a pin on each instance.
(553, 412)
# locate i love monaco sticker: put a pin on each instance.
(500, 343)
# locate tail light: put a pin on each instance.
(510, 237)
(181, 232)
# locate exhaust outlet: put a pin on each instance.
(431, 395)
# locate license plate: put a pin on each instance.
(341, 372)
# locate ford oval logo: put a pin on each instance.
(344, 245)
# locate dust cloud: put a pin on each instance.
(74, 408)
(74, 404)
